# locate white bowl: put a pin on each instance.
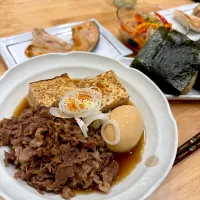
(160, 127)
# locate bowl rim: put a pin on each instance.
(167, 107)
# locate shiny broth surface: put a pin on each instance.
(127, 161)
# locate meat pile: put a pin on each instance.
(52, 154)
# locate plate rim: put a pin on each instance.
(23, 37)
(187, 97)
(165, 103)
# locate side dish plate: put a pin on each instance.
(12, 48)
(161, 136)
(193, 94)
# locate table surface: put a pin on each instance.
(183, 182)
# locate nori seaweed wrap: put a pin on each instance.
(171, 60)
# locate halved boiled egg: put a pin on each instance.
(124, 129)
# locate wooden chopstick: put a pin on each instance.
(187, 148)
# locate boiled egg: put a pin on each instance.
(123, 130)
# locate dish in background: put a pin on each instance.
(171, 60)
(85, 37)
(191, 21)
(119, 3)
(159, 123)
(137, 23)
(12, 48)
(196, 10)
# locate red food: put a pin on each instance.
(162, 18)
(139, 18)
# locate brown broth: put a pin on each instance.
(76, 80)
(82, 191)
(127, 161)
(24, 104)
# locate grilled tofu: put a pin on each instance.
(113, 92)
(48, 92)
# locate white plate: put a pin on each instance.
(160, 127)
(193, 94)
(12, 48)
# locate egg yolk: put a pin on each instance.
(79, 102)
